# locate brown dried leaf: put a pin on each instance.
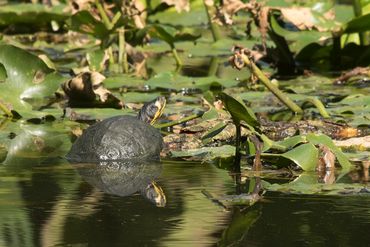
(327, 159)
(303, 18)
(358, 71)
(359, 143)
(136, 10)
(86, 89)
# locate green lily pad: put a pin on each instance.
(123, 80)
(28, 78)
(307, 183)
(31, 15)
(206, 153)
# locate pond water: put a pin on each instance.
(50, 204)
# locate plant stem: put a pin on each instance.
(319, 105)
(364, 40)
(5, 109)
(237, 148)
(180, 121)
(216, 34)
(103, 15)
(213, 66)
(122, 55)
(110, 53)
(176, 56)
(274, 89)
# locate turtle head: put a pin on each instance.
(152, 110)
(155, 194)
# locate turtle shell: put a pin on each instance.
(117, 138)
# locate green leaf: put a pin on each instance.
(165, 33)
(84, 22)
(239, 112)
(213, 131)
(96, 60)
(317, 139)
(170, 35)
(31, 15)
(28, 79)
(292, 141)
(305, 156)
(358, 24)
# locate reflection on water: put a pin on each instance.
(125, 177)
(51, 204)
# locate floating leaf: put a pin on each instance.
(28, 78)
(307, 183)
(206, 153)
(32, 15)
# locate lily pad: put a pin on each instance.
(28, 78)
(31, 15)
(206, 153)
(307, 183)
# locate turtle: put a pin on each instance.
(121, 137)
(123, 178)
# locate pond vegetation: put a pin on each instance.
(265, 129)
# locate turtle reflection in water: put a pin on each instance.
(124, 178)
(123, 140)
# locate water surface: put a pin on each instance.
(50, 204)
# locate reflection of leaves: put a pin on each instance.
(34, 143)
(238, 228)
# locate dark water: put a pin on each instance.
(50, 204)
